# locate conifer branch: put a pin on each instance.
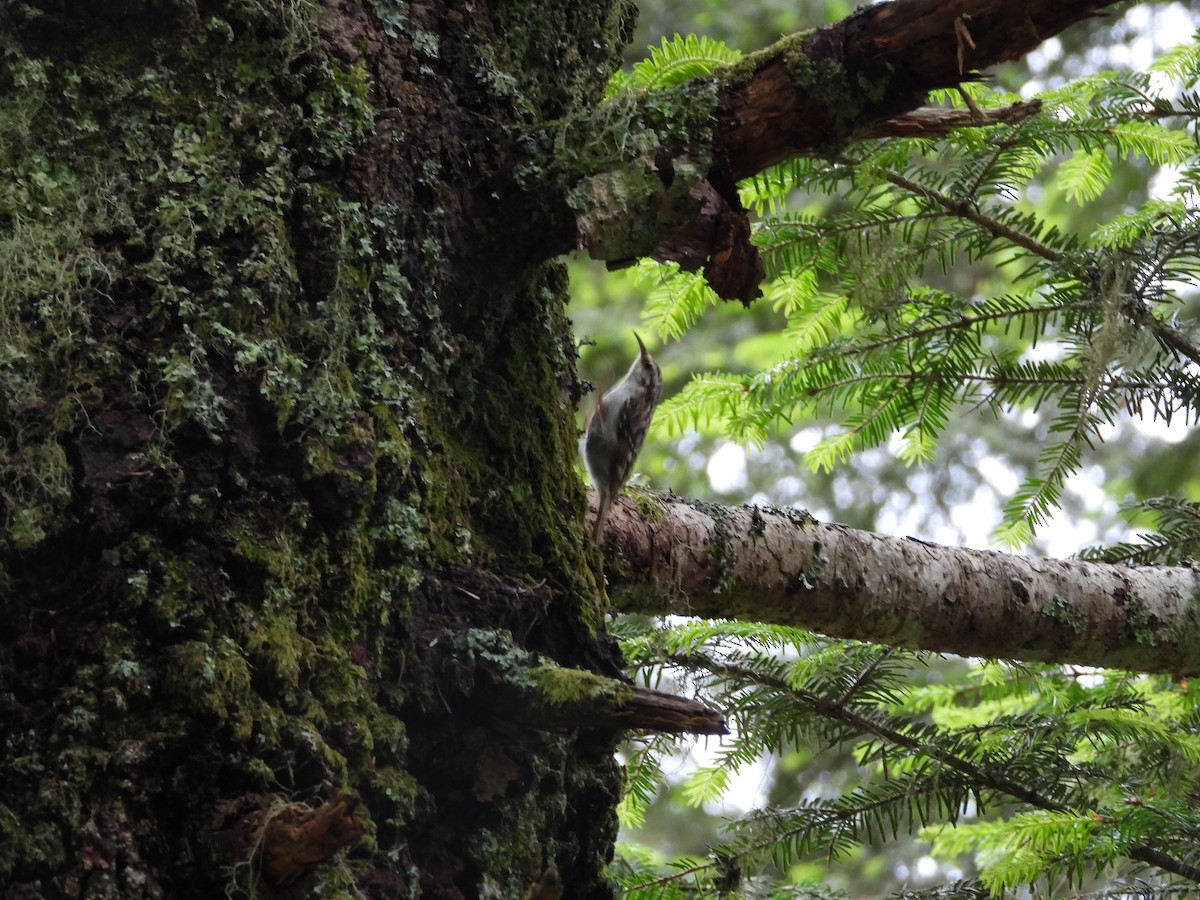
(1173, 339)
(964, 209)
(963, 322)
(993, 380)
(989, 777)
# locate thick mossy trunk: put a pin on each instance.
(287, 416)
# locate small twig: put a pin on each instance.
(935, 121)
(1174, 340)
(964, 209)
(862, 677)
(964, 38)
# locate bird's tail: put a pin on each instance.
(603, 503)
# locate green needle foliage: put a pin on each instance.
(919, 280)
(675, 61)
(1175, 540)
(1098, 772)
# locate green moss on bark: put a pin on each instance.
(249, 414)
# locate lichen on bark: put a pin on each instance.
(278, 420)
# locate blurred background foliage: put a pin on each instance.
(956, 497)
(952, 501)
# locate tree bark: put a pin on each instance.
(293, 566)
(669, 189)
(780, 565)
(286, 449)
(812, 92)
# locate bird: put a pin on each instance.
(613, 435)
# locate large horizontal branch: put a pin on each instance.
(782, 566)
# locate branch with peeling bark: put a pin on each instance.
(665, 187)
(781, 565)
(811, 92)
(934, 121)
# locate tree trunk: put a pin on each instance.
(288, 442)
(293, 554)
